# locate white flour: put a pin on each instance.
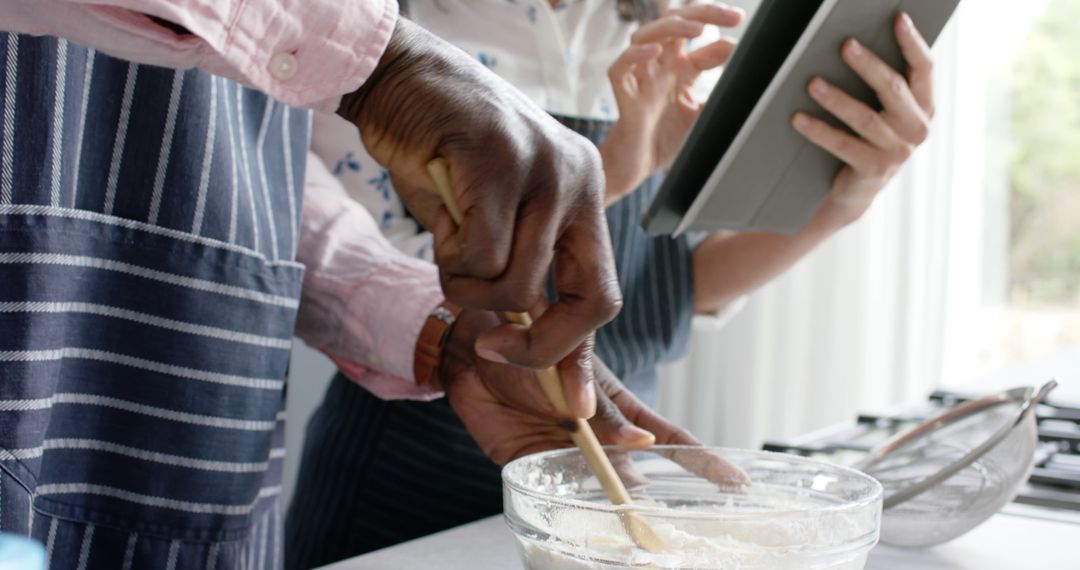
(683, 551)
(778, 544)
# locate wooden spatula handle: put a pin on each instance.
(581, 433)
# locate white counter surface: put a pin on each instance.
(1021, 539)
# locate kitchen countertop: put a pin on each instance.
(1019, 539)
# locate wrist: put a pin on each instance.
(838, 212)
(430, 344)
(402, 51)
(459, 351)
(622, 173)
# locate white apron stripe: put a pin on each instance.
(183, 417)
(152, 274)
(84, 551)
(166, 145)
(260, 149)
(88, 80)
(25, 405)
(121, 137)
(207, 162)
(129, 553)
(250, 547)
(174, 553)
(277, 453)
(290, 186)
(50, 542)
(152, 456)
(260, 542)
(40, 210)
(20, 454)
(7, 159)
(278, 535)
(77, 353)
(234, 186)
(212, 556)
(151, 501)
(135, 408)
(247, 172)
(57, 139)
(146, 319)
(162, 413)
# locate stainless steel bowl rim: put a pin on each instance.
(1026, 396)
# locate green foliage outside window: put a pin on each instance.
(1044, 257)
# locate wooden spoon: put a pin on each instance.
(580, 431)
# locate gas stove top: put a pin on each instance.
(1054, 482)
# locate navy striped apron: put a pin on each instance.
(148, 225)
(376, 473)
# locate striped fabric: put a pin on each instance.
(148, 224)
(656, 276)
(375, 473)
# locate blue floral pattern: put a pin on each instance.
(381, 183)
(349, 162)
(486, 59)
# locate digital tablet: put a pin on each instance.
(743, 166)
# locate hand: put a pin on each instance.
(508, 415)
(884, 140)
(530, 189)
(652, 81)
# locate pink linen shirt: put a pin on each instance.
(306, 53)
(363, 302)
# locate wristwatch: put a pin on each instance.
(429, 345)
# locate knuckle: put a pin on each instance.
(880, 170)
(897, 82)
(921, 132)
(608, 303)
(677, 436)
(843, 145)
(868, 121)
(485, 263)
(903, 153)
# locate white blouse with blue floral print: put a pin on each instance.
(557, 55)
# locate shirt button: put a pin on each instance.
(284, 66)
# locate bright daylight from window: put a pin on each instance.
(1029, 322)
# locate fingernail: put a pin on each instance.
(738, 480)
(818, 87)
(905, 22)
(632, 434)
(855, 48)
(491, 355)
(801, 121)
(693, 26)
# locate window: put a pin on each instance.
(1025, 62)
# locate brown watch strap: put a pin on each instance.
(429, 345)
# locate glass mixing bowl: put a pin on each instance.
(799, 514)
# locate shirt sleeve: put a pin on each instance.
(303, 52)
(363, 302)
